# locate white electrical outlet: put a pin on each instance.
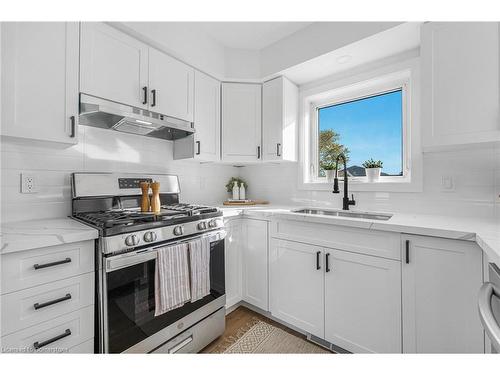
(28, 183)
(447, 183)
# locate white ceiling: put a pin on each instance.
(249, 35)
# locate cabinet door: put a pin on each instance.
(460, 77)
(233, 262)
(40, 80)
(363, 303)
(441, 279)
(171, 85)
(207, 117)
(255, 263)
(296, 285)
(279, 120)
(241, 122)
(113, 65)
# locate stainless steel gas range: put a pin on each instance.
(125, 264)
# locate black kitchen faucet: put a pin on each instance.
(346, 202)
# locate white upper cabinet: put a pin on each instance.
(363, 302)
(171, 85)
(440, 283)
(255, 261)
(40, 80)
(460, 77)
(113, 65)
(297, 285)
(279, 120)
(207, 117)
(241, 122)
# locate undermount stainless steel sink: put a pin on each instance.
(338, 213)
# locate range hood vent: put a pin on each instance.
(106, 114)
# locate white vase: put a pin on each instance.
(242, 192)
(236, 191)
(373, 174)
(330, 174)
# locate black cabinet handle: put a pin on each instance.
(145, 95)
(327, 262)
(278, 153)
(153, 92)
(52, 264)
(407, 250)
(198, 144)
(258, 152)
(318, 253)
(37, 345)
(72, 120)
(53, 302)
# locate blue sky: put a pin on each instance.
(370, 128)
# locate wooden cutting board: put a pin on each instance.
(251, 203)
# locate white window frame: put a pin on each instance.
(402, 76)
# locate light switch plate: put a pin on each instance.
(28, 183)
(447, 183)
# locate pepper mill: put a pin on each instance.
(155, 199)
(145, 204)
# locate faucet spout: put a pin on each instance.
(346, 202)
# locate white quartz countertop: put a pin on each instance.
(485, 232)
(33, 234)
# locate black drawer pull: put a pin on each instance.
(39, 266)
(258, 152)
(37, 345)
(73, 127)
(318, 253)
(407, 260)
(153, 92)
(145, 93)
(45, 304)
(198, 144)
(278, 153)
(327, 261)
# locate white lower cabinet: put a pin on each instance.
(440, 283)
(255, 263)
(233, 261)
(296, 285)
(363, 302)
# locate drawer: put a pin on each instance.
(25, 269)
(86, 347)
(363, 241)
(27, 307)
(55, 336)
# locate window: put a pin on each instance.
(372, 114)
(365, 128)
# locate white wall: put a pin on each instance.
(315, 40)
(97, 151)
(474, 173)
(242, 64)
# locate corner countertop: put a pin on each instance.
(486, 233)
(33, 234)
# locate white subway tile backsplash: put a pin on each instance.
(98, 150)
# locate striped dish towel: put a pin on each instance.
(172, 287)
(199, 261)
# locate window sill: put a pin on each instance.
(401, 186)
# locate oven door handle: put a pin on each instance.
(125, 260)
(180, 345)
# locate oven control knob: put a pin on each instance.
(202, 225)
(178, 230)
(150, 236)
(212, 223)
(132, 240)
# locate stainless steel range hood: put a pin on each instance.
(106, 114)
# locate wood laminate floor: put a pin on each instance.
(239, 319)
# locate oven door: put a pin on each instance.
(129, 301)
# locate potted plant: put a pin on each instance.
(239, 182)
(372, 169)
(329, 169)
